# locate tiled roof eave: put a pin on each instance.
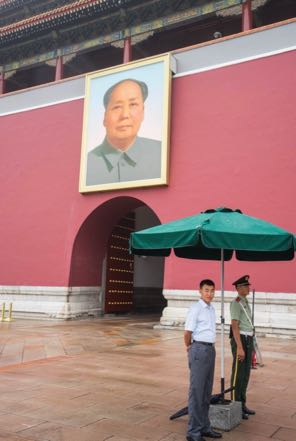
(51, 17)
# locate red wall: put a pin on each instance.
(232, 144)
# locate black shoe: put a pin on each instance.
(212, 434)
(195, 439)
(245, 416)
(248, 411)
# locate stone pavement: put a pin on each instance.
(119, 379)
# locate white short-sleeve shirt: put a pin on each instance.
(201, 321)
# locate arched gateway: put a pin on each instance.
(117, 281)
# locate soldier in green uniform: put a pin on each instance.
(241, 342)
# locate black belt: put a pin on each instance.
(203, 343)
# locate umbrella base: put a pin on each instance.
(223, 415)
(180, 413)
(215, 399)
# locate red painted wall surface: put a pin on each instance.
(232, 144)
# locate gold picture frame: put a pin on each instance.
(126, 104)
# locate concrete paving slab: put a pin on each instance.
(284, 434)
(119, 379)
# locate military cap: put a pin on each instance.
(242, 281)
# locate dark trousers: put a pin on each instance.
(241, 369)
(201, 365)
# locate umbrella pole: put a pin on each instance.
(222, 325)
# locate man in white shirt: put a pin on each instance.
(199, 338)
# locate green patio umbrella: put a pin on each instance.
(216, 234)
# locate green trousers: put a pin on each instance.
(241, 369)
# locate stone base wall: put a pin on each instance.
(275, 313)
(42, 302)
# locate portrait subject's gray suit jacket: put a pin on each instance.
(106, 165)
